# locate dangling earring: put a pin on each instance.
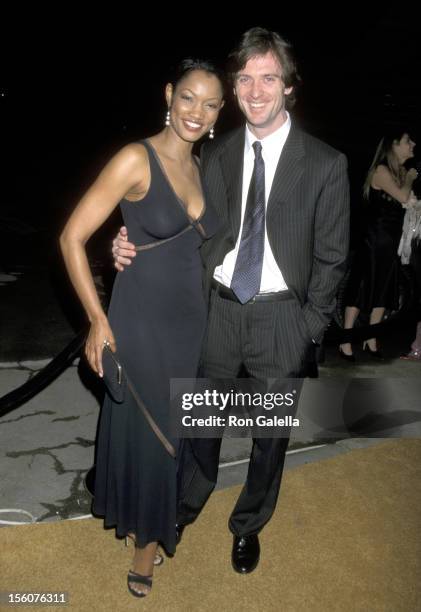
(211, 133)
(167, 118)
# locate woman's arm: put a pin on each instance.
(127, 172)
(383, 179)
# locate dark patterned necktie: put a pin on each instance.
(248, 268)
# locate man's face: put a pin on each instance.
(261, 93)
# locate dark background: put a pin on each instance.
(76, 87)
(71, 96)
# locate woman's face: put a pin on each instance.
(404, 148)
(194, 104)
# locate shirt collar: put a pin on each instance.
(273, 143)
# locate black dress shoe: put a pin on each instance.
(245, 553)
(178, 533)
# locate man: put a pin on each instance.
(272, 270)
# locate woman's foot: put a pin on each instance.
(159, 559)
(345, 351)
(139, 578)
(371, 344)
(135, 579)
(370, 347)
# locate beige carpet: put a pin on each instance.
(346, 537)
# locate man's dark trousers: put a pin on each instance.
(268, 339)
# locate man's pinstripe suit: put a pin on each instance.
(307, 221)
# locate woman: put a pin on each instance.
(410, 253)
(157, 313)
(373, 282)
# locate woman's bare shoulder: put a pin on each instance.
(381, 176)
(382, 170)
(130, 161)
(134, 152)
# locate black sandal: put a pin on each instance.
(134, 577)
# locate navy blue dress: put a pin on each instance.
(158, 316)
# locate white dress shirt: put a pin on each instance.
(272, 279)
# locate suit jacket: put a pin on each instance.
(307, 217)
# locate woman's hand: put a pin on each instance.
(411, 175)
(411, 201)
(99, 334)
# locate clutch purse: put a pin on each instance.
(114, 378)
(117, 383)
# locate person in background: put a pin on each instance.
(373, 282)
(410, 253)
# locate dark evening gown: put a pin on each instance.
(158, 316)
(373, 281)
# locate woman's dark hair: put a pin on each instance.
(189, 64)
(384, 155)
(259, 41)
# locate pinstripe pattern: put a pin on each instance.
(307, 217)
(307, 224)
(267, 338)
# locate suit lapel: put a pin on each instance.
(231, 159)
(288, 171)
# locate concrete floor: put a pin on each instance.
(47, 444)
